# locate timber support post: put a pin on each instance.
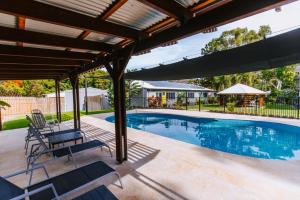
(58, 100)
(75, 91)
(86, 97)
(116, 72)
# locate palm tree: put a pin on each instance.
(3, 105)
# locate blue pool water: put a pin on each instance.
(248, 138)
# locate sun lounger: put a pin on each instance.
(100, 193)
(61, 185)
(42, 148)
(54, 137)
(41, 123)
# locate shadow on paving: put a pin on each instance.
(138, 155)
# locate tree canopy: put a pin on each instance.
(38, 88)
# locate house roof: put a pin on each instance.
(90, 91)
(167, 85)
(242, 89)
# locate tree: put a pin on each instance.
(38, 88)
(132, 89)
(3, 105)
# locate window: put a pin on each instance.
(191, 95)
(170, 95)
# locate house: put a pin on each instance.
(167, 93)
(97, 99)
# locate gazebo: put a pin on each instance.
(246, 95)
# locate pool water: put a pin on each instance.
(248, 138)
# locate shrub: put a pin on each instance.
(230, 107)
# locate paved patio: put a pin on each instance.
(163, 168)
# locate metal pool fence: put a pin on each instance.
(272, 107)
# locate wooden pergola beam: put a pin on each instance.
(227, 13)
(37, 61)
(24, 67)
(170, 8)
(52, 14)
(106, 14)
(112, 8)
(27, 72)
(21, 25)
(28, 77)
(44, 53)
(15, 35)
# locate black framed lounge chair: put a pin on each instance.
(54, 135)
(62, 185)
(100, 193)
(41, 123)
(42, 148)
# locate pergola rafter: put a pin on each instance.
(106, 14)
(44, 53)
(20, 25)
(51, 14)
(15, 35)
(38, 61)
(170, 8)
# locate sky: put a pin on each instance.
(288, 18)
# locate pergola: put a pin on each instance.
(52, 39)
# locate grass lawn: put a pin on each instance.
(22, 122)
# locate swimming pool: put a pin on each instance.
(248, 138)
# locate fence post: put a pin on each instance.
(186, 100)
(256, 104)
(199, 103)
(298, 107)
(224, 103)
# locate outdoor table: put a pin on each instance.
(62, 138)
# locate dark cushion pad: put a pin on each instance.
(78, 148)
(71, 180)
(100, 193)
(9, 190)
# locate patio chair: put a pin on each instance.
(42, 148)
(60, 186)
(30, 136)
(41, 123)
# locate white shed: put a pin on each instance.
(91, 92)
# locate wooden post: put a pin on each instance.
(86, 97)
(59, 101)
(73, 80)
(56, 100)
(77, 102)
(117, 74)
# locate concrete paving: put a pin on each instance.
(164, 168)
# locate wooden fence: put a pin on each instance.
(96, 103)
(21, 106)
